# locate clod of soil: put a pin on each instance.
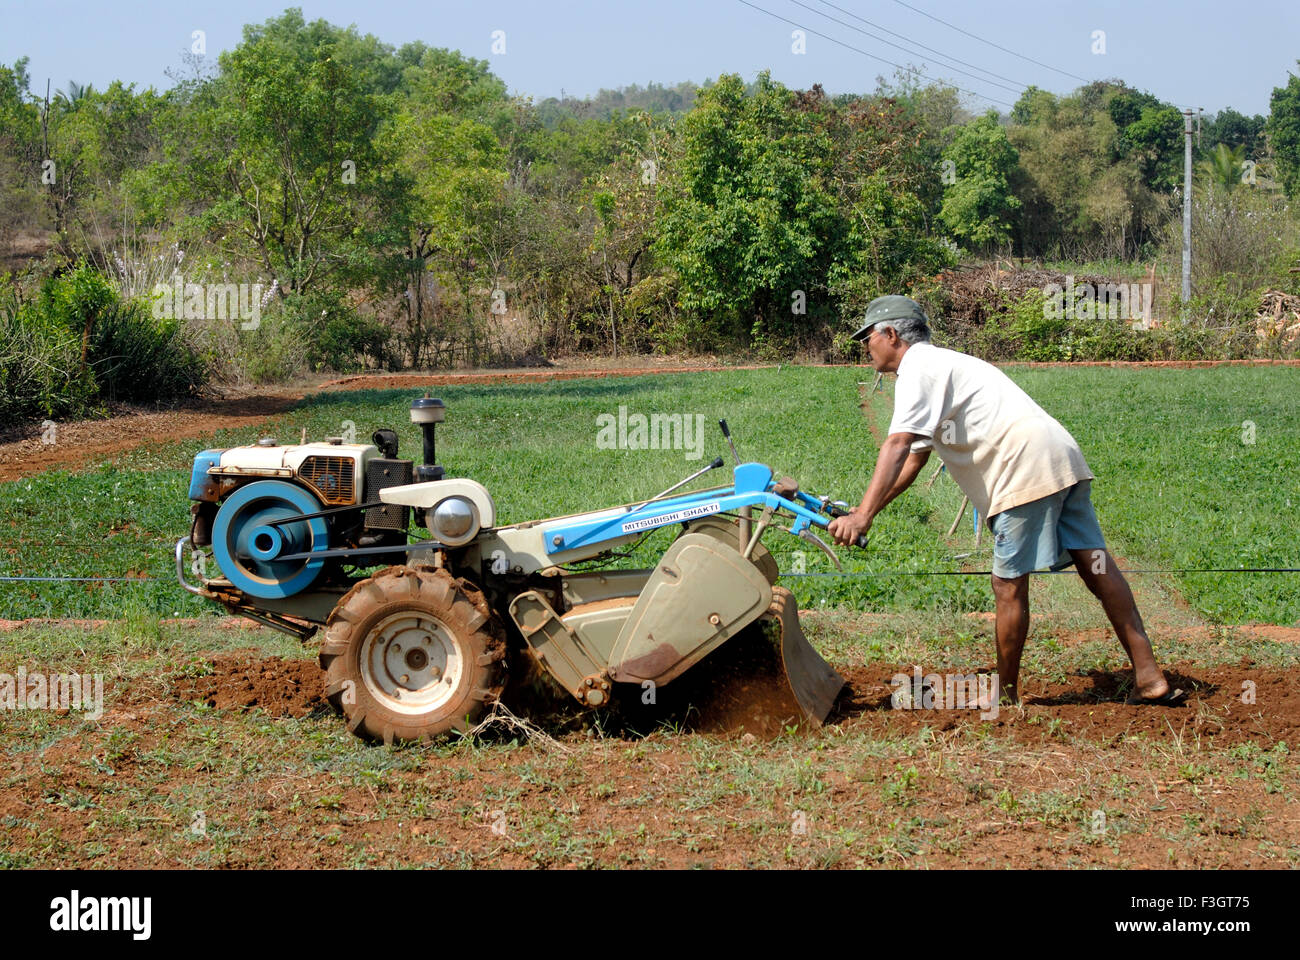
(283, 688)
(738, 689)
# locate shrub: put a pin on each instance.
(40, 373)
(272, 353)
(333, 335)
(139, 359)
(79, 340)
(1024, 330)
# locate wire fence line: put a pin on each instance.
(855, 574)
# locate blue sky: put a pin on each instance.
(1198, 54)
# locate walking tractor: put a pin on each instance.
(421, 632)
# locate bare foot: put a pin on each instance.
(1157, 695)
(1152, 688)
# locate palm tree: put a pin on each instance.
(75, 92)
(1223, 167)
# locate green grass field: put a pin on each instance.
(1179, 481)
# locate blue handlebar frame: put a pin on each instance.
(751, 487)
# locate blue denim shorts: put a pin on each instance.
(1039, 535)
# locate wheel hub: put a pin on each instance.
(410, 662)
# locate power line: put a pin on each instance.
(849, 46)
(1066, 73)
(966, 73)
(1018, 85)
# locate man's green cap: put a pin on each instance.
(891, 307)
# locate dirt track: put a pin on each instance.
(84, 442)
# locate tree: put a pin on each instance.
(624, 198)
(66, 158)
(287, 156)
(1096, 168)
(886, 182)
(1155, 141)
(453, 175)
(1035, 105)
(1222, 169)
(1236, 129)
(1283, 129)
(75, 92)
(978, 206)
(20, 154)
(748, 224)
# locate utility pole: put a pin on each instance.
(1187, 209)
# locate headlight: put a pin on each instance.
(454, 521)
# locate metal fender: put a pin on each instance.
(702, 592)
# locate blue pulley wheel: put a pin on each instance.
(246, 547)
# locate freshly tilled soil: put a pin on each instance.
(731, 702)
(282, 688)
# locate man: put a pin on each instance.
(1020, 468)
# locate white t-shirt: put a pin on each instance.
(1000, 446)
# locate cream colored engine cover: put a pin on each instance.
(428, 495)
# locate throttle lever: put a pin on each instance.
(726, 432)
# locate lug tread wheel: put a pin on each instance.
(356, 628)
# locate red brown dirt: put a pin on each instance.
(283, 688)
(84, 442)
(317, 819)
(738, 689)
(1092, 707)
(1088, 707)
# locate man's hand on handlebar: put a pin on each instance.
(846, 529)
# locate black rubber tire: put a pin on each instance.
(469, 623)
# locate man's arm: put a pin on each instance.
(896, 468)
(911, 467)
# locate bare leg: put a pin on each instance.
(1103, 578)
(1012, 599)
